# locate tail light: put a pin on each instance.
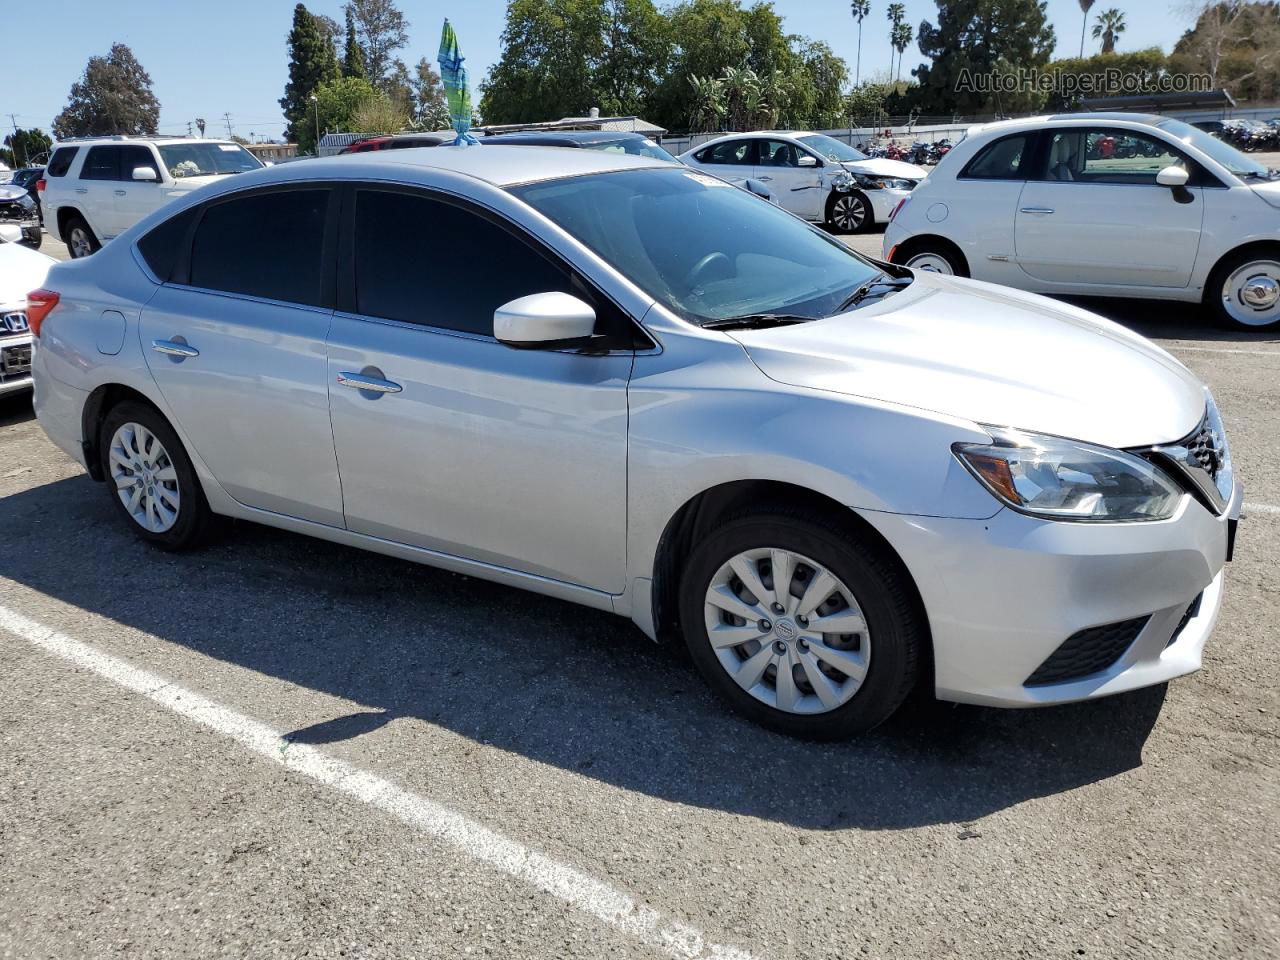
(39, 303)
(901, 203)
(41, 184)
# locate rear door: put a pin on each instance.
(236, 343)
(1094, 214)
(730, 159)
(95, 190)
(794, 176)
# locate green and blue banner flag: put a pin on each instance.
(454, 76)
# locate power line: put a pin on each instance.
(227, 118)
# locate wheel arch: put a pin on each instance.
(68, 212)
(1248, 247)
(910, 245)
(704, 511)
(99, 403)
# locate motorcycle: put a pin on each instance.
(19, 217)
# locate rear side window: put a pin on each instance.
(734, 151)
(102, 163)
(163, 244)
(267, 245)
(1002, 160)
(60, 162)
(449, 281)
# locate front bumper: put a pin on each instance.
(1003, 594)
(883, 201)
(15, 363)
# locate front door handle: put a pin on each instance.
(765, 179)
(360, 381)
(82, 189)
(1037, 209)
(174, 348)
(121, 193)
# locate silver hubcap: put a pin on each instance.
(145, 479)
(930, 263)
(787, 630)
(1251, 294)
(80, 246)
(849, 212)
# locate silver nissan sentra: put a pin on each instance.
(636, 387)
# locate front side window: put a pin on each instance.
(741, 152)
(60, 162)
(425, 261)
(1224, 153)
(265, 245)
(702, 247)
(206, 159)
(133, 157)
(779, 153)
(1085, 155)
(636, 148)
(1001, 160)
(102, 163)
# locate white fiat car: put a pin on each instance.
(1118, 205)
(630, 385)
(812, 175)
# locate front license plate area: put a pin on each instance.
(15, 361)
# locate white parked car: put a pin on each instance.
(631, 385)
(21, 270)
(812, 175)
(1119, 205)
(95, 189)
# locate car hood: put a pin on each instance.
(991, 355)
(1268, 191)
(21, 271)
(882, 167)
(9, 191)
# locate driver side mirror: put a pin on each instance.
(1173, 177)
(808, 160)
(544, 321)
(146, 175)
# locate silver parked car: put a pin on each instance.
(633, 386)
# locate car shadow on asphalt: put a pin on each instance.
(16, 408)
(1170, 320)
(560, 684)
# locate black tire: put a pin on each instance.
(843, 212)
(936, 247)
(195, 522)
(75, 222)
(32, 237)
(1214, 299)
(881, 589)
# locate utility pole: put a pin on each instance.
(188, 128)
(16, 162)
(227, 119)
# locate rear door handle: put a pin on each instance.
(1037, 209)
(121, 193)
(359, 381)
(82, 189)
(174, 349)
(765, 179)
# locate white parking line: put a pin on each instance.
(1259, 508)
(595, 897)
(1248, 353)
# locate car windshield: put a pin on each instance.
(702, 247)
(1224, 153)
(832, 148)
(637, 148)
(206, 159)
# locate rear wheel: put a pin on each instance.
(32, 237)
(849, 212)
(932, 255)
(151, 479)
(80, 239)
(802, 628)
(1244, 290)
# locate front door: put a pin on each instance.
(515, 458)
(135, 199)
(237, 348)
(1095, 214)
(794, 176)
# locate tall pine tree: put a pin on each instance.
(353, 54)
(311, 63)
(113, 96)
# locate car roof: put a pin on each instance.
(575, 137)
(502, 168)
(125, 141)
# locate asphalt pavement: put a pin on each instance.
(278, 747)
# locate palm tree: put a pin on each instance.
(901, 39)
(1085, 6)
(861, 10)
(1109, 27)
(895, 13)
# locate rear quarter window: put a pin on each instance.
(60, 163)
(164, 244)
(1002, 160)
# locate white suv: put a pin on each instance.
(95, 189)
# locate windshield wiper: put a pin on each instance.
(756, 321)
(858, 295)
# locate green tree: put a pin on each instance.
(430, 107)
(311, 63)
(1148, 66)
(861, 9)
(112, 97)
(382, 30)
(1108, 29)
(1237, 44)
(398, 86)
(900, 37)
(27, 147)
(1085, 7)
(974, 38)
(337, 103)
(379, 114)
(895, 13)
(353, 53)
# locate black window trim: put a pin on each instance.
(345, 266)
(182, 268)
(754, 155)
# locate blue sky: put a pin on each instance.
(229, 57)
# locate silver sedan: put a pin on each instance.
(635, 387)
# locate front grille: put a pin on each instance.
(1087, 652)
(15, 361)
(1192, 611)
(1203, 445)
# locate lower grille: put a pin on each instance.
(1193, 610)
(1087, 652)
(15, 361)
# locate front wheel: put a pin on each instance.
(932, 256)
(1244, 290)
(32, 237)
(801, 626)
(80, 239)
(849, 212)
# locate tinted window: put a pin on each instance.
(60, 163)
(1001, 160)
(424, 261)
(734, 151)
(162, 245)
(102, 163)
(134, 157)
(267, 245)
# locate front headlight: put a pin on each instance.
(1067, 480)
(882, 183)
(26, 203)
